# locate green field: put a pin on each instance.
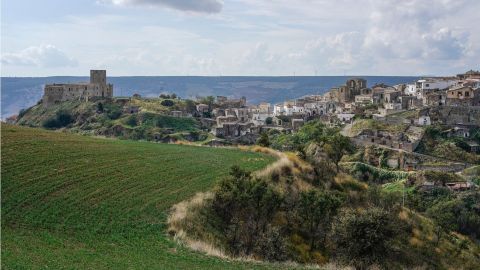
(77, 202)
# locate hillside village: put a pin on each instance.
(397, 119)
(354, 158)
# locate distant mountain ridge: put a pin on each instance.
(23, 92)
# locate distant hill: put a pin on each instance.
(23, 92)
(78, 202)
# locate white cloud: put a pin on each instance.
(254, 37)
(200, 6)
(40, 56)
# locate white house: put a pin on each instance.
(345, 117)
(424, 120)
(410, 89)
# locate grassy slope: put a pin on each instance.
(77, 202)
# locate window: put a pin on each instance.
(467, 94)
(427, 85)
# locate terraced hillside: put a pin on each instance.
(78, 202)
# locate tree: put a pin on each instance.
(209, 100)
(336, 147)
(131, 120)
(114, 111)
(245, 206)
(100, 107)
(268, 120)
(190, 106)
(167, 103)
(263, 140)
(364, 237)
(316, 210)
(62, 118)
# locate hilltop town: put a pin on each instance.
(392, 117)
(429, 124)
(402, 159)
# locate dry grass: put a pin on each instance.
(180, 214)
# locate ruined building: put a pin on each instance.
(352, 88)
(97, 87)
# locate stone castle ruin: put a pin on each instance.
(97, 87)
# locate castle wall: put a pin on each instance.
(54, 93)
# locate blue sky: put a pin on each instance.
(239, 37)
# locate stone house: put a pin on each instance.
(388, 139)
(224, 102)
(297, 123)
(460, 186)
(474, 147)
(202, 108)
(352, 88)
(345, 117)
(176, 113)
(458, 131)
(463, 96)
(424, 120)
(437, 98)
(232, 129)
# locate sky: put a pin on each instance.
(239, 37)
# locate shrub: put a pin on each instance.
(263, 140)
(61, 119)
(167, 103)
(100, 107)
(245, 206)
(364, 237)
(51, 123)
(64, 118)
(131, 121)
(269, 120)
(113, 111)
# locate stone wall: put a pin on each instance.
(54, 93)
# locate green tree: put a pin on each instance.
(131, 121)
(190, 106)
(245, 206)
(336, 147)
(268, 120)
(316, 210)
(100, 107)
(364, 237)
(114, 111)
(62, 118)
(167, 103)
(263, 140)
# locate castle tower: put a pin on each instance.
(98, 77)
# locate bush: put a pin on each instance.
(269, 120)
(100, 107)
(246, 206)
(263, 140)
(167, 103)
(113, 111)
(131, 121)
(61, 119)
(363, 238)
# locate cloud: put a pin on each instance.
(199, 6)
(40, 56)
(415, 29)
